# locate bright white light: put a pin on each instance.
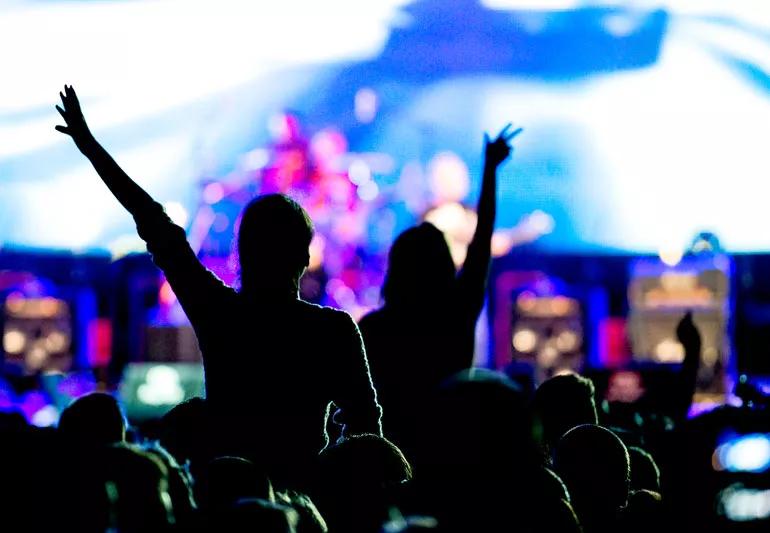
(748, 453)
(540, 222)
(316, 251)
(623, 25)
(245, 44)
(368, 191)
(14, 341)
(502, 242)
(525, 340)
(37, 357)
(547, 356)
(669, 351)
(632, 123)
(177, 213)
(213, 192)
(359, 172)
(670, 256)
(162, 386)
(550, 5)
(365, 105)
(45, 417)
(451, 218)
(567, 341)
(254, 160)
(449, 180)
(126, 244)
(56, 341)
(741, 504)
(679, 192)
(344, 296)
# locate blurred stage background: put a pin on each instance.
(637, 190)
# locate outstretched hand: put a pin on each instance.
(76, 126)
(497, 151)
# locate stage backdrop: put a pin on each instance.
(645, 121)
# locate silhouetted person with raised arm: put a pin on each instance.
(425, 331)
(273, 362)
(689, 337)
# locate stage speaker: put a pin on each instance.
(660, 295)
(37, 334)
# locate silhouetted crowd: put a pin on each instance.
(311, 424)
(484, 456)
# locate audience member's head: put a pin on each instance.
(250, 515)
(273, 243)
(365, 461)
(593, 462)
(12, 422)
(359, 478)
(551, 486)
(562, 403)
(136, 485)
(644, 513)
(229, 479)
(645, 474)
(420, 267)
(551, 508)
(184, 433)
(179, 483)
(479, 421)
(309, 518)
(93, 420)
(477, 434)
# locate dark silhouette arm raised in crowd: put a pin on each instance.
(130, 195)
(203, 295)
(165, 240)
(689, 336)
(472, 279)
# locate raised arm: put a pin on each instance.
(193, 284)
(473, 275)
(130, 195)
(689, 336)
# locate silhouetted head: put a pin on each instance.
(137, 489)
(645, 513)
(480, 421)
(366, 460)
(358, 482)
(179, 483)
(420, 266)
(477, 434)
(273, 241)
(593, 462)
(310, 519)
(184, 433)
(645, 474)
(562, 403)
(229, 479)
(93, 420)
(254, 514)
